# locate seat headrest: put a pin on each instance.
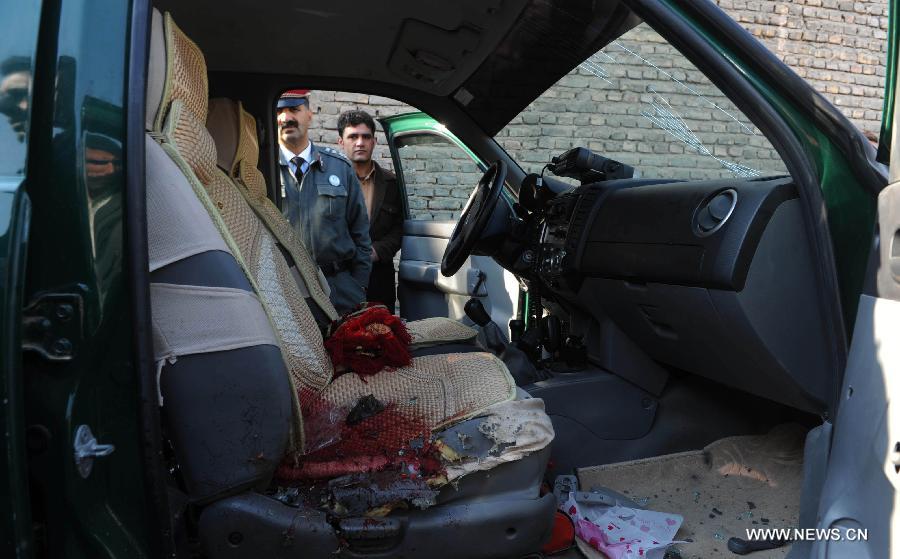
(247, 157)
(185, 77)
(237, 144)
(223, 122)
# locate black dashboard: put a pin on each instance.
(655, 231)
(715, 278)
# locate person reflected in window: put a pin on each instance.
(15, 81)
(356, 135)
(322, 200)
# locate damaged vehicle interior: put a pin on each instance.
(666, 327)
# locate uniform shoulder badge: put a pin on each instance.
(335, 153)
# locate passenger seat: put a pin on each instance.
(237, 343)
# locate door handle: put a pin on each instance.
(87, 448)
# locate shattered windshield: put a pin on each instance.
(641, 102)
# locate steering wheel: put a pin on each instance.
(474, 218)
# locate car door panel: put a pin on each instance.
(428, 274)
(422, 240)
(426, 292)
(15, 538)
(19, 22)
(860, 491)
(860, 502)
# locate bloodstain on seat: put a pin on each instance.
(390, 439)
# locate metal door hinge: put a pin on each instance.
(87, 448)
(53, 325)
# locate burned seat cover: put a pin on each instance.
(438, 390)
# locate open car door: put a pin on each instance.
(859, 506)
(19, 24)
(441, 171)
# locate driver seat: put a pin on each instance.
(236, 343)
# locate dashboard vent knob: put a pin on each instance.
(714, 212)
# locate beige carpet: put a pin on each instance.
(732, 484)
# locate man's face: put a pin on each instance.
(358, 143)
(99, 162)
(293, 124)
(14, 100)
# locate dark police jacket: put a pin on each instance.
(329, 214)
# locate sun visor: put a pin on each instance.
(429, 54)
(435, 51)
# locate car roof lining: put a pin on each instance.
(493, 57)
(432, 46)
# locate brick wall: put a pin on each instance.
(329, 104)
(838, 46)
(664, 118)
(641, 102)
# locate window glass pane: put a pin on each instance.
(438, 174)
(641, 102)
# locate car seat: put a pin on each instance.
(239, 354)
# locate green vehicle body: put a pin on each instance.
(417, 122)
(63, 232)
(397, 125)
(75, 245)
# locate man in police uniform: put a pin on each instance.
(321, 198)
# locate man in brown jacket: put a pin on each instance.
(356, 131)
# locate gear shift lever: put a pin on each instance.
(491, 338)
(476, 312)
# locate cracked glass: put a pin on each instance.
(639, 101)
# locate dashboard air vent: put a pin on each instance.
(714, 212)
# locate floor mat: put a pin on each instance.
(731, 485)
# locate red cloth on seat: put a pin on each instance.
(368, 340)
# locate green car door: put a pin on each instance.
(77, 393)
(16, 69)
(431, 161)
